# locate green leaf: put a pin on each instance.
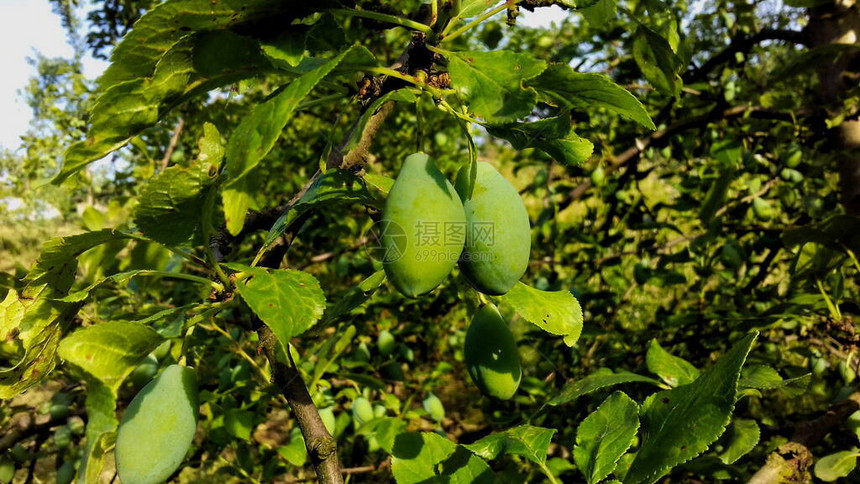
(385, 430)
(403, 95)
(164, 25)
(598, 380)
(333, 186)
(743, 437)
(837, 465)
(605, 435)
(524, 440)
(171, 203)
(556, 312)
(491, 83)
(429, 457)
(471, 8)
(657, 61)
(354, 297)
(239, 423)
(671, 369)
(58, 261)
(681, 423)
(109, 351)
(553, 136)
(33, 325)
(294, 452)
(288, 301)
(763, 377)
(194, 65)
(601, 12)
(561, 86)
(101, 431)
(257, 133)
(289, 46)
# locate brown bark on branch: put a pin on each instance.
(321, 446)
(791, 461)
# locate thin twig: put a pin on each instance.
(174, 141)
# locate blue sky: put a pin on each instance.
(26, 27)
(29, 26)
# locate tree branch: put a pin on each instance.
(661, 137)
(321, 446)
(174, 141)
(791, 461)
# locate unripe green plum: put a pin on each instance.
(498, 239)
(362, 410)
(730, 256)
(66, 473)
(63, 437)
(157, 427)
(7, 470)
(762, 209)
(327, 416)
(419, 221)
(491, 354)
(385, 342)
(434, 407)
(794, 156)
(598, 177)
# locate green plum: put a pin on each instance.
(423, 226)
(491, 354)
(157, 427)
(498, 240)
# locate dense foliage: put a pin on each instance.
(690, 173)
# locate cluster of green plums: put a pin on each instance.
(430, 225)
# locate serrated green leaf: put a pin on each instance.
(553, 136)
(288, 301)
(556, 312)
(491, 83)
(681, 423)
(257, 133)
(763, 377)
(657, 61)
(58, 262)
(34, 324)
(743, 437)
(164, 25)
(429, 457)
(194, 65)
(834, 466)
(170, 204)
(598, 380)
(525, 440)
(560, 85)
(604, 436)
(109, 351)
(671, 369)
(333, 186)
